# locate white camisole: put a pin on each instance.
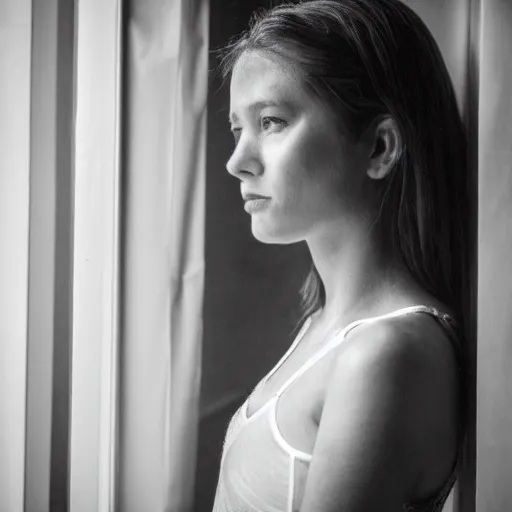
(260, 471)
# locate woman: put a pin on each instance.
(348, 137)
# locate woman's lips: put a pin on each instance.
(256, 203)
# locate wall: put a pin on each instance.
(15, 58)
(494, 392)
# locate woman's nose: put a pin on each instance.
(244, 160)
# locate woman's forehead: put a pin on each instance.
(260, 78)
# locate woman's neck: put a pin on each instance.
(360, 273)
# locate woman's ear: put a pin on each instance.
(386, 148)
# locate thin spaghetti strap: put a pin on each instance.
(287, 354)
(340, 335)
(333, 342)
(449, 324)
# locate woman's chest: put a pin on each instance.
(294, 395)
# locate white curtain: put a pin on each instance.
(165, 115)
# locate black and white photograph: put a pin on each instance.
(255, 255)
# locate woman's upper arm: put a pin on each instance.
(368, 434)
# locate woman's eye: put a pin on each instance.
(272, 123)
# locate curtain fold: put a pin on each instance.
(165, 114)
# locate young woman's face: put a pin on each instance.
(289, 149)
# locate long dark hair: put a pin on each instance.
(367, 58)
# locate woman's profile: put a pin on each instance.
(348, 138)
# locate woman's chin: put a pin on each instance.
(271, 234)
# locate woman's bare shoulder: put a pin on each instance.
(401, 374)
(387, 418)
(413, 341)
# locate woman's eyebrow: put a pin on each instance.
(260, 105)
